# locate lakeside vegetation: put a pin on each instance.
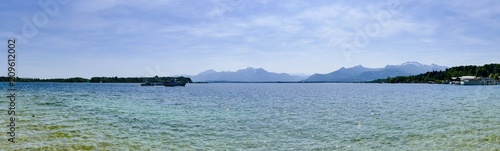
(75, 79)
(101, 79)
(487, 70)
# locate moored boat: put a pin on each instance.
(167, 84)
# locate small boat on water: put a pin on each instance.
(167, 84)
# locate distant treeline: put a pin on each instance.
(138, 79)
(76, 79)
(488, 70)
(102, 79)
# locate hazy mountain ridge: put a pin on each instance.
(247, 75)
(354, 74)
(360, 73)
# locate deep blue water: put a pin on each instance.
(248, 116)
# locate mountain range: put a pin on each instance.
(360, 73)
(246, 75)
(353, 74)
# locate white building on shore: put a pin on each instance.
(473, 80)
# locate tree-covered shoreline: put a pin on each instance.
(100, 79)
(487, 70)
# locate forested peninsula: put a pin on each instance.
(487, 70)
(101, 79)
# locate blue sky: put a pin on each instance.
(172, 37)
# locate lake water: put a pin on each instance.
(64, 116)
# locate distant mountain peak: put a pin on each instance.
(412, 63)
(358, 66)
(251, 69)
(208, 71)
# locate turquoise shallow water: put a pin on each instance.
(254, 117)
